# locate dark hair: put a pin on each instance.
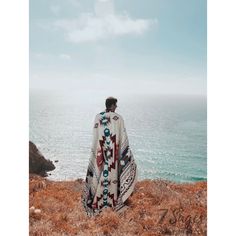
(110, 101)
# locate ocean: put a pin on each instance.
(167, 133)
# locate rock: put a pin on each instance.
(37, 162)
(37, 211)
(56, 161)
(32, 209)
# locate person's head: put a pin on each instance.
(111, 104)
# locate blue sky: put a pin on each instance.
(120, 46)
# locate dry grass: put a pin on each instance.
(156, 207)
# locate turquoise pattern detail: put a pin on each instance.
(105, 171)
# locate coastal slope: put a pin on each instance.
(156, 207)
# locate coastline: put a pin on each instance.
(156, 207)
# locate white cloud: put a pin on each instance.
(90, 27)
(65, 56)
(102, 23)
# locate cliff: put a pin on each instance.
(38, 164)
(156, 207)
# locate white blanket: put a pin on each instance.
(112, 171)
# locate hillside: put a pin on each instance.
(157, 207)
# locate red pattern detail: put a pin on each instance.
(95, 205)
(112, 197)
(100, 154)
(100, 158)
(113, 165)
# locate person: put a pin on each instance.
(112, 171)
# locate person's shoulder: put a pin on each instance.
(100, 114)
(117, 115)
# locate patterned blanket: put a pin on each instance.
(112, 171)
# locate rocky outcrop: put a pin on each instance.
(37, 162)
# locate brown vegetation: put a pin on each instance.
(156, 207)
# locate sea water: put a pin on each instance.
(167, 133)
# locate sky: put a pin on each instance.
(119, 46)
